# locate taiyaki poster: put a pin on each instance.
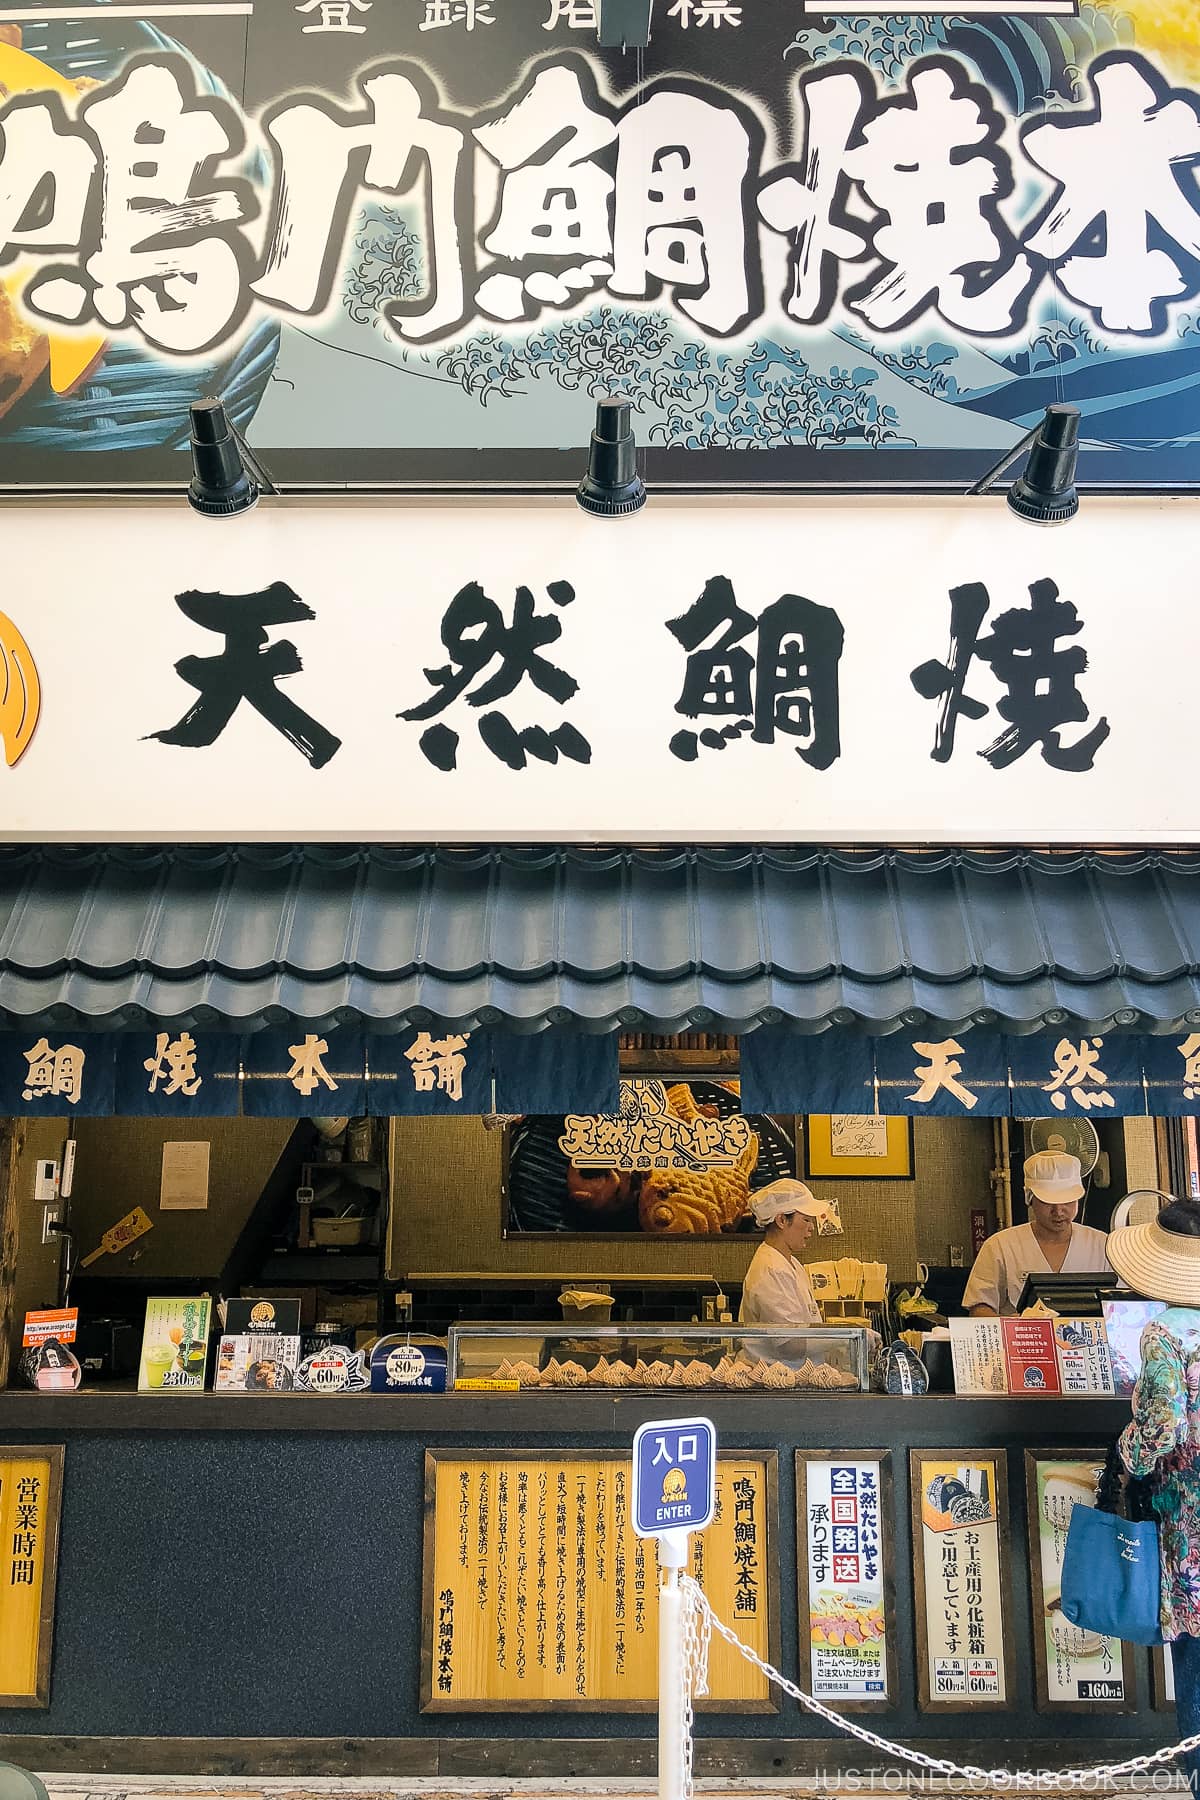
(410, 242)
(1076, 1668)
(679, 1160)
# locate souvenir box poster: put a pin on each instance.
(1077, 1670)
(175, 1345)
(679, 1159)
(413, 242)
(961, 1585)
(1084, 1363)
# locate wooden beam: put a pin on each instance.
(545, 1759)
(12, 1142)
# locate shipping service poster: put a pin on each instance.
(844, 1563)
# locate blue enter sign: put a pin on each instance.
(674, 1476)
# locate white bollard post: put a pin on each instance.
(672, 1776)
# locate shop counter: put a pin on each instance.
(250, 1583)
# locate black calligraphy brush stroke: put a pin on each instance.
(248, 668)
(439, 745)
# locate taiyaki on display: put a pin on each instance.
(736, 1373)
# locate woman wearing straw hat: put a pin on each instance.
(1161, 1260)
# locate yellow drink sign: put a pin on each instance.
(539, 1595)
(30, 1496)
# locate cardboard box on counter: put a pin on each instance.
(349, 1310)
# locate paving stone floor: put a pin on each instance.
(118, 1787)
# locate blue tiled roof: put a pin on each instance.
(661, 940)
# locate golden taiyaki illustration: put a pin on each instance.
(689, 1202)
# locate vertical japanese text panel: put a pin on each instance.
(538, 1593)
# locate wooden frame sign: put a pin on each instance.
(1162, 1679)
(961, 1587)
(1077, 1670)
(30, 1505)
(845, 1563)
(858, 1147)
(538, 1596)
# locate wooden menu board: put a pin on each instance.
(30, 1500)
(537, 1593)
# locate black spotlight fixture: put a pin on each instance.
(226, 477)
(623, 24)
(612, 485)
(1045, 494)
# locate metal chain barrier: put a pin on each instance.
(699, 1623)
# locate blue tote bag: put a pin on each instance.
(1111, 1577)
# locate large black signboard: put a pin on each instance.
(411, 241)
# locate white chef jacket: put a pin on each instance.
(777, 1291)
(1009, 1256)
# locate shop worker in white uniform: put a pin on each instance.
(1051, 1243)
(776, 1290)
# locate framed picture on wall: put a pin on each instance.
(857, 1147)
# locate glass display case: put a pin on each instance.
(695, 1358)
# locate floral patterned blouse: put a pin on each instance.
(1163, 1439)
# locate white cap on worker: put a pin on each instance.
(1053, 1176)
(787, 1196)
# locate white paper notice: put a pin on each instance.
(184, 1186)
(858, 1134)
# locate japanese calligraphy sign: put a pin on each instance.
(1077, 1670)
(445, 225)
(56, 1074)
(847, 1581)
(1085, 1074)
(178, 1074)
(938, 1075)
(960, 1574)
(430, 1071)
(30, 1501)
(674, 1476)
(1171, 1066)
(496, 678)
(306, 1072)
(685, 1154)
(538, 1593)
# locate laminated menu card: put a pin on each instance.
(1030, 1356)
(1084, 1365)
(257, 1364)
(977, 1349)
(175, 1345)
